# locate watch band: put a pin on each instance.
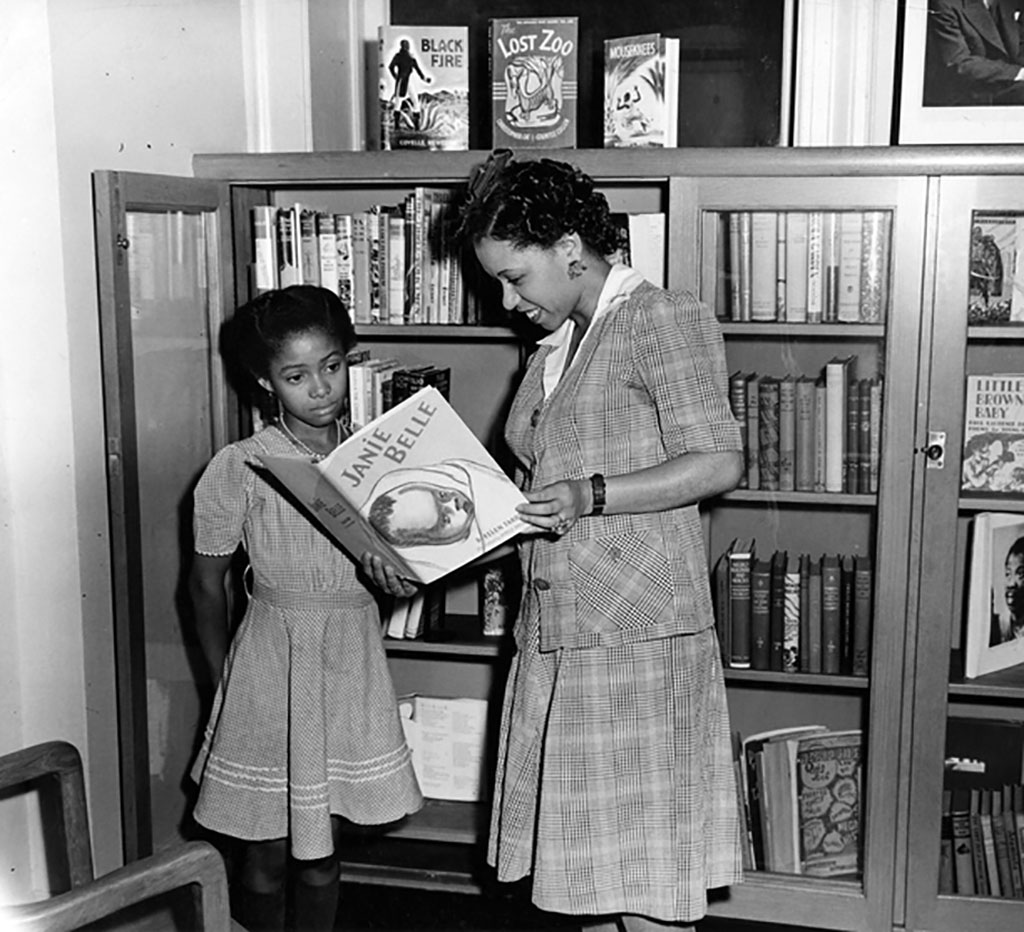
(598, 490)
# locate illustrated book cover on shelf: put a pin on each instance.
(414, 486)
(424, 87)
(995, 616)
(993, 457)
(641, 91)
(996, 291)
(533, 65)
(828, 788)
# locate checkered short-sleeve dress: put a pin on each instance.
(304, 723)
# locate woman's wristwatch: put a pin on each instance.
(597, 491)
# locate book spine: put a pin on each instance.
(989, 843)
(820, 433)
(735, 267)
(738, 405)
(753, 432)
(830, 609)
(981, 885)
(1002, 844)
(791, 617)
(343, 243)
(768, 433)
(863, 583)
(835, 425)
(805, 613)
(796, 266)
(963, 857)
(804, 428)
(874, 273)
(777, 611)
(763, 263)
(875, 444)
(265, 247)
(360, 269)
(1012, 845)
(814, 596)
(375, 265)
(745, 249)
(780, 266)
(327, 249)
(815, 268)
(846, 581)
(947, 883)
(309, 247)
(739, 590)
(864, 436)
(287, 248)
(830, 266)
(787, 434)
(851, 450)
(848, 285)
(760, 613)
(396, 266)
(723, 617)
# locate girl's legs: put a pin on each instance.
(314, 895)
(257, 900)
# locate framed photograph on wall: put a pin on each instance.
(995, 615)
(959, 62)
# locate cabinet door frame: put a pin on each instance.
(943, 372)
(115, 195)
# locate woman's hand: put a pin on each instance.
(386, 577)
(557, 507)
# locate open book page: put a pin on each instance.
(414, 486)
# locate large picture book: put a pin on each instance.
(641, 91)
(423, 87)
(415, 486)
(993, 457)
(996, 292)
(533, 66)
(995, 613)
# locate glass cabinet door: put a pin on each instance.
(816, 282)
(966, 806)
(161, 246)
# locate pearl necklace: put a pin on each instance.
(305, 448)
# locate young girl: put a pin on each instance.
(304, 729)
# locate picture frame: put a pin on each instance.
(923, 124)
(990, 644)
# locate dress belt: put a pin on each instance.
(291, 598)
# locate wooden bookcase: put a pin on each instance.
(913, 527)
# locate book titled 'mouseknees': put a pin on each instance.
(415, 486)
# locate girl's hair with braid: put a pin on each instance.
(536, 203)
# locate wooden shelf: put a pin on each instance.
(770, 329)
(461, 332)
(823, 499)
(460, 636)
(991, 503)
(445, 821)
(996, 332)
(822, 681)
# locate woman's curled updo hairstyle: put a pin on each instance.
(536, 203)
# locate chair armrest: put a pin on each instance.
(196, 862)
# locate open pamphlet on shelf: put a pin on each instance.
(415, 487)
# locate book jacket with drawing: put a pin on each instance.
(533, 65)
(641, 91)
(996, 292)
(423, 87)
(415, 486)
(993, 460)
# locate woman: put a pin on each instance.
(615, 784)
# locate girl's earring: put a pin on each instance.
(576, 268)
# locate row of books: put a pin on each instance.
(800, 791)
(793, 613)
(408, 618)
(982, 828)
(376, 385)
(423, 86)
(816, 266)
(810, 434)
(390, 264)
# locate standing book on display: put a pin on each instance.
(996, 293)
(424, 87)
(415, 487)
(993, 459)
(995, 615)
(641, 91)
(533, 65)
